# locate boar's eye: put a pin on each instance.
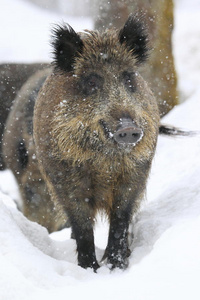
(129, 81)
(91, 83)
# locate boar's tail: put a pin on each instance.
(174, 131)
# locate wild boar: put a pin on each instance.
(90, 138)
(19, 156)
(12, 77)
(96, 124)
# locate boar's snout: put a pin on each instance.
(128, 132)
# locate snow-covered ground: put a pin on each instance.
(165, 262)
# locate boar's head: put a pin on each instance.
(105, 105)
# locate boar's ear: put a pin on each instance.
(134, 35)
(67, 44)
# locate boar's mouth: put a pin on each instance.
(126, 134)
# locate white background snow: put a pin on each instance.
(165, 260)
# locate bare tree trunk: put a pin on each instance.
(158, 14)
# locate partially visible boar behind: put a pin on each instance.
(96, 124)
(12, 77)
(19, 156)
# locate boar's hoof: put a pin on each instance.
(117, 261)
(85, 262)
(128, 132)
(116, 258)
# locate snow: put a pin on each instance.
(25, 30)
(165, 260)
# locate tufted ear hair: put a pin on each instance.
(67, 45)
(134, 35)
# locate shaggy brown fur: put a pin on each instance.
(94, 87)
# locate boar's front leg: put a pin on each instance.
(125, 202)
(81, 220)
(71, 187)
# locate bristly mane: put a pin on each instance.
(68, 45)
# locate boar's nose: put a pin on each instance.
(128, 132)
